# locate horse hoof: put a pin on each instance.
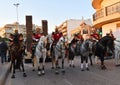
(103, 67)
(87, 69)
(43, 72)
(70, 65)
(39, 73)
(91, 64)
(63, 71)
(52, 67)
(24, 75)
(73, 66)
(56, 72)
(82, 69)
(33, 70)
(13, 76)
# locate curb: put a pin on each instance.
(5, 72)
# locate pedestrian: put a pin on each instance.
(3, 51)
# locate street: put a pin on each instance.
(72, 76)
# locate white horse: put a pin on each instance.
(85, 50)
(60, 52)
(40, 53)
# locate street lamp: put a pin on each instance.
(16, 5)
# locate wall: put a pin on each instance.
(108, 2)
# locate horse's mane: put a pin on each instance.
(104, 40)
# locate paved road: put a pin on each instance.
(73, 76)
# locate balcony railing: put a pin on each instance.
(114, 8)
(98, 14)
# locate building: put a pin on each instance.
(107, 16)
(2, 32)
(10, 28)
(71, 26)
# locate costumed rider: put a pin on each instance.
(55, 37)
(37, 34)
(95, 36)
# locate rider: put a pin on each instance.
(79, 36)
(111, 34)
(56, 36)
(37, 35)
(85, 31)
(94, 35)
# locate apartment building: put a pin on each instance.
(107, 16)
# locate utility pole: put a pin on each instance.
(16, 5)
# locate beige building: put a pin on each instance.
(2, 32)
(10, 28)
(72, 26)
(107, 16)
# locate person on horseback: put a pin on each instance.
(85, 31)
(94, 35)
(95, 38)
(37, 34)
(55, 37)
(79, 36)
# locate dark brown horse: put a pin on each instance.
(17, 50)
(101, 47)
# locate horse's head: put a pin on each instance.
(43, 41)
(108, 42)
(88, 44)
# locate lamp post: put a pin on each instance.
(16, 5)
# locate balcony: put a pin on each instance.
(98, 14)
(107, 15)
(96, 4)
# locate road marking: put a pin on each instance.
(69, 83)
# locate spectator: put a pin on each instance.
(3, 51)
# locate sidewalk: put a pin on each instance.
(4, 72)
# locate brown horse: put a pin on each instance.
(16, 51)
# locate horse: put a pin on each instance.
(16, 52)
(40, 54)
(84, 51)
(59, 51)
(102, 47)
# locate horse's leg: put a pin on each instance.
(56, 64)
(82, 60)
(53, 62)
(38, 65)
(90, 57)
(13, 70)
(63, 70)
(17, 64)
(33, 63)
(53, 58)
(102, 62)
(43, 63)
(22, 64)
(86, 59)
(72, 62)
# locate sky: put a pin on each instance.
(54, 11)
